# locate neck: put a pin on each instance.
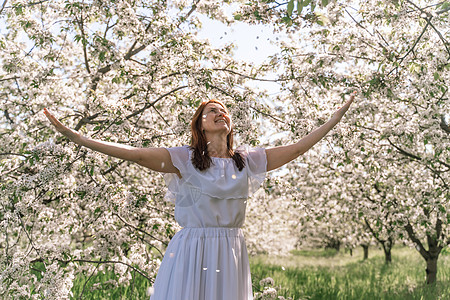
(217, 146)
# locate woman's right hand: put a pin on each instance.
(157, 159)
(64, 130)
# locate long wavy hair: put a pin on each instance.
(200, 158)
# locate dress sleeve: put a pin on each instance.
(180, 160)
(256, 163)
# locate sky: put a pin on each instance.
(253, 41)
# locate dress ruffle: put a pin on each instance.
(256, 161)
(228, 183)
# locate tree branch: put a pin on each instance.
(148, 105)
(3, 6)
(250, 77)
(416, 241)
(413, 156)
(98, 262)
(85, 283)
(444, 125)
(138, 229)
(444, 41)
(9, 78)
(84, 43)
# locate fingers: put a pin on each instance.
(50, 117)
(55, 122)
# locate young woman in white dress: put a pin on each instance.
(209, 183)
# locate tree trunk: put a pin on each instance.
(387, 255)
(366, 251)
(434, 249)
(431, 270)
(387, 247)
(333, 244)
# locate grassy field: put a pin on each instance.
(314, 274)
(327, 275)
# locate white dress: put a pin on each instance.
(207, 259)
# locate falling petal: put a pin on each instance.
(172, 254)
(204, 269)
(162, 165)
(233, 176)
(217, 271)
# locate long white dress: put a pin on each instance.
(207, 259)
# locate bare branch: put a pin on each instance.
(3, 6)
(444, 125)
(444, 41)
(190, 12)
(85, 283)
(9, 78)
(138, 229)
(250, 77)
(267, 115)
(438, 12)
(98, 262)
(413, 156)
(84, 43)
(419, 246)
(148, 105)
(86, 120)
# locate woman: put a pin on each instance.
(209, 183)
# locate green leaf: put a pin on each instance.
(257, 15)
(324, 3)
(321, 19)
(299, 6)
(444, 5)
(287, 20)
(290, 7)
(436, 76)
(237, 17)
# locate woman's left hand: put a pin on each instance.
(341, 111)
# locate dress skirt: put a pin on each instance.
(205, 264)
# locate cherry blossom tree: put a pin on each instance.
(397, 54)
(128, 72)
(133, 72)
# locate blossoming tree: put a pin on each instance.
(397, 54)
(132, 72)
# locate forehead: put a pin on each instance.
(214, 105)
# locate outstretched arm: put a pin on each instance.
(157, 159)
(278, 156)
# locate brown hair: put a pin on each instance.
(200, 158)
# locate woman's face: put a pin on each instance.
(215, 118)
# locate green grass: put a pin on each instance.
(102, 286)
(314, 274)
(305, 276)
